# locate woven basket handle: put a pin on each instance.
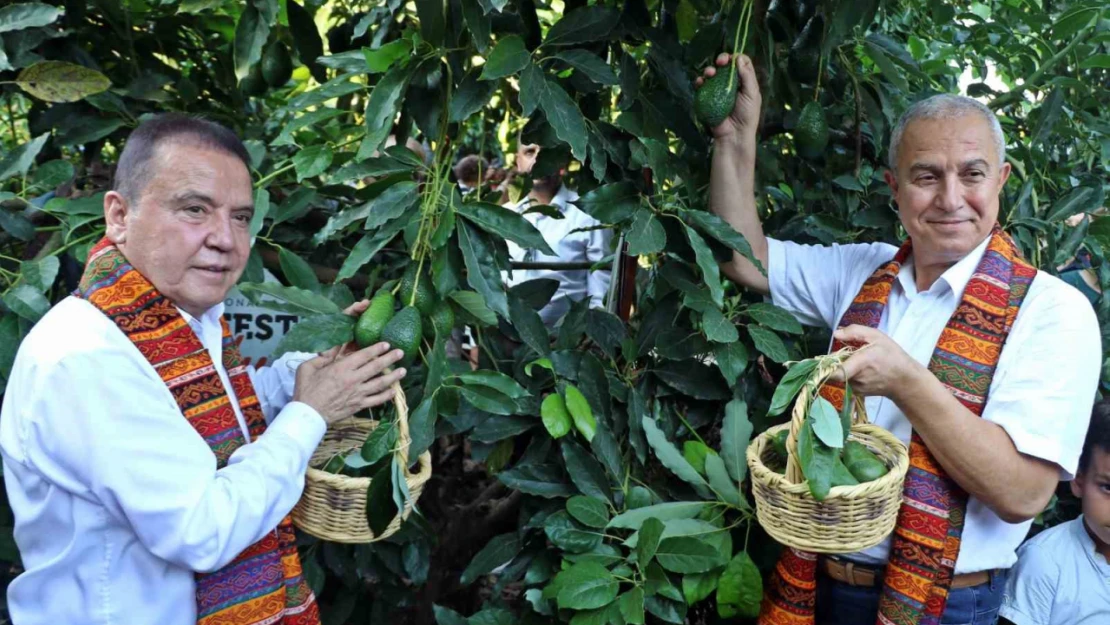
(801, 408)
(404, 439)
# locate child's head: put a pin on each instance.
(1092, 482)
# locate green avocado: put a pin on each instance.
(403, 332)
(863, 464)
(253, 84)
(370, 324)
(425, 299)
(841, 475)
(811, 134)
(804, 60)
(277, 66)
(442, 320)
(717, 97)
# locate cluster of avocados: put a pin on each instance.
(421, 315)
(862, 465)
(273, 70)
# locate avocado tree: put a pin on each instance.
(594, 472)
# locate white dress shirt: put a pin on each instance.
(1060, 579)
(1043, 388)
(569, 246)
(117, 500)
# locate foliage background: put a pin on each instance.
(607, 87)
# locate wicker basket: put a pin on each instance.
(333, 506)
(850, 518)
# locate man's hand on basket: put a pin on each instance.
(883, 368)
(339, 382)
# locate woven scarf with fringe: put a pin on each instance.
(264, 585)
(926, 539)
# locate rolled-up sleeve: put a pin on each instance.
(1047, 376)
(124, 440)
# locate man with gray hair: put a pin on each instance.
(985, 367)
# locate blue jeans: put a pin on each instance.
(841, 604)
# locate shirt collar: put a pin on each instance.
(955, 277)
(560, 200)
(1088, 545)
(210, 316)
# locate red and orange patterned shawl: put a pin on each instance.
(264, 585)
(930, 523)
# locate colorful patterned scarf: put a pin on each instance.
(930, 522)
(264, 584)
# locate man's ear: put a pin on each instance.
(891, 181)
(1003, 175)
(116, 212)
(1077, 485)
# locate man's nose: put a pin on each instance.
(221, 235)
(950, 197)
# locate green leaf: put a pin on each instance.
(561, 111)
(588, 511)
(689, 554)
(367, 247)
(720, 481)
(306, 38)
(774, 317)
(611, 203)
(481, 269)
(381, 59)
(556, 418)
(692, 378)
(717, 327)
(27, 15)
(590, 65)
(605, 329)
(27, 302)
(634, 519)
(695, 452)
(381, 107)
(17, 225)
(586, 586)
(886, 66)
(19, 160)
(485, 398)
(381, 507)
(532, 84)
(791, 383)
(497, 428)
(317, 334)
(826, 423)
(710, 271)
(495, 380)
(537, 479)
(447, 616)
(312, 161)
(646, 235)
(697, 587)
(505, 223)
(499, 550)
(9, 345)
(583, 25)
(250, 36)
(732, 359)
(509, 56)
(650, 535)
(720, 230)
(1049, 113)
(289, 299)
(585, 471)
(816, 460)
(740, 590)
(422, 425)
(580, 412)
(392, 203)
(477, 23)
(566, 535)
(473, 95)
(475, 305)
(1097, 61)
(379, 443)
(529, 325)
(51, 174)
(433, 20)
(297, 271)
(671, 458)
(1077, 19)
(736, 433)
(1085, 199)
(631, 606)
(40, 273)
(768, 343)
(261, 210)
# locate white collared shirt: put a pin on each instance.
(117, 500)
(1043, 388)
(1060, 579)
(569, 246)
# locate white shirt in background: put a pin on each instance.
(1042, 391)
(569, 246)
(117, 500)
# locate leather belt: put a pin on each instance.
(853, 574)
